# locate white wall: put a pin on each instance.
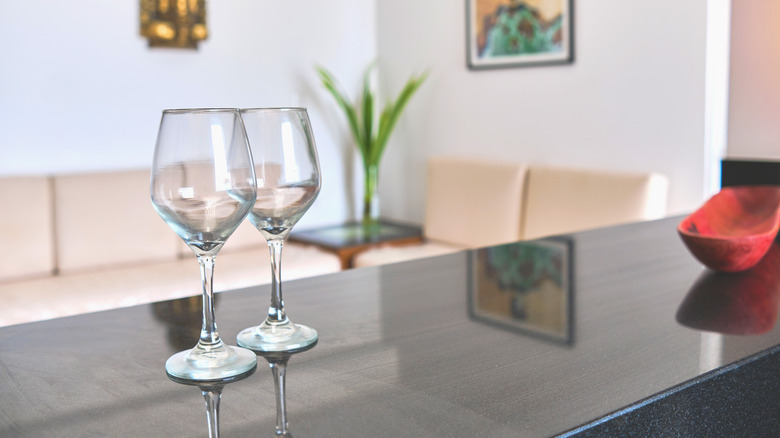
(80, 90)
(754, 92)
(632, 100)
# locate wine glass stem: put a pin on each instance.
(279, 370)
(208, 333)
(276, 310)
(212, 398)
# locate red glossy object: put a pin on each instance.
(743, 303)
(733, 230)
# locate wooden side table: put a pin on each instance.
(348, 239)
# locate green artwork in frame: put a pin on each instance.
(511, 33)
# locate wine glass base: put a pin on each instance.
(230, 363)
(277, 338)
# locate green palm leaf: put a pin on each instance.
(368, 113)
(331, 85)
(392, 112)
(371, 136)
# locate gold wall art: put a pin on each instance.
(174, 23)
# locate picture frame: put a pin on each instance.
(519, 33)
(526, 287)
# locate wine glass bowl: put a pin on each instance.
(203, 186)
(202, 217)
(288, 181)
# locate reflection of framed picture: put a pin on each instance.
(525, 286)
(510, 33)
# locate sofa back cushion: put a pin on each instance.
(473, 203)
(105, 219)
(562, 200)
(26, 227)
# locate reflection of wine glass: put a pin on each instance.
(183, 319)
(212, 394)
(278, 363)
(203, 186)
(288, 181)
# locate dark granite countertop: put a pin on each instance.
(646, 345)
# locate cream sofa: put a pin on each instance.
(88, 242)
(473, 203)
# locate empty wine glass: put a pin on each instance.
(203, 186)
(288, 181)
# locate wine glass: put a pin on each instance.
(288, 181)
(203, 186)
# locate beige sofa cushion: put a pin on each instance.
(92, 291)
(396, 254)
(39, 299)
(469, 203)
(562, 200)
(473, 203)
(251, 267)
(94, 229)
(26, 227)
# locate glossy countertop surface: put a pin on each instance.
(399, 353)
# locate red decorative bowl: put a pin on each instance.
(733, 230)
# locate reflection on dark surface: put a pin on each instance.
(525, 286)
(278, 363)
(744, 303)
(183, 319)
(212, 394)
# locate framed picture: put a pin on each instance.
(514, 33)
(525, 287)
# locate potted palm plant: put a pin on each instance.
(370, 128)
